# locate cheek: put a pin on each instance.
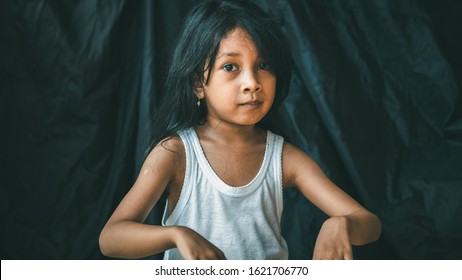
(269, 81)
(270, 88)
(220, 100)
(270, 104)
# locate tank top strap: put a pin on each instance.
(276, 170)
(189, 176)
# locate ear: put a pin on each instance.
(199, 91)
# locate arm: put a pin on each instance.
(349, 222)
(125, 235)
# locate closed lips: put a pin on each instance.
(252, 103)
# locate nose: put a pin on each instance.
(251, 82)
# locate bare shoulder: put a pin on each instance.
(168, 151)
(162, 167)
(159, 170)
(164, 161)
(295, 163)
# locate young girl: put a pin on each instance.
(223, 174)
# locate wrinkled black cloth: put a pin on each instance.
(375, 98)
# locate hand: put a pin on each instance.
(333, 242)
(192, 246)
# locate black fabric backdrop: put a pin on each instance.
(375, 99)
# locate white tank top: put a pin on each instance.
(244, 222)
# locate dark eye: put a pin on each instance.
(229, 67)
(263, 66)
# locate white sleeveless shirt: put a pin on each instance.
(244, 222)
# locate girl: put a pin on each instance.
(223, 174)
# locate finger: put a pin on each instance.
(213, 256)
(219, 255)
(222, 255)
(348, 256)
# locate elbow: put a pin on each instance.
(377, 228)
(104, 244)
(103, 249)
(367, 231)
(374, 230)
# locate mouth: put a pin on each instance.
(252, 104)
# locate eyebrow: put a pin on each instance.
(231, 54)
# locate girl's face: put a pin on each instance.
(241, 87)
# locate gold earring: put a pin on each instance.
(198, 102)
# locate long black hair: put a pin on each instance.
(196, 49)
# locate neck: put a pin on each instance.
(228, 133)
